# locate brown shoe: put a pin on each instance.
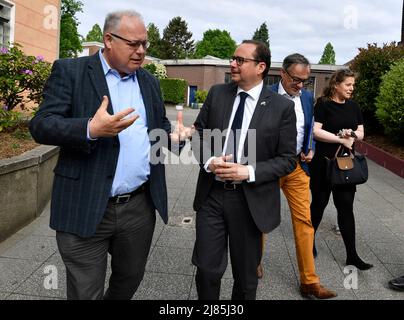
(316, 290)
(260, 271)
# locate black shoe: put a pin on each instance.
(314, 252)
(359, 263)
(397, 284)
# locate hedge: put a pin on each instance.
(173, 90)
(390, 103)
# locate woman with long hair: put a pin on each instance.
(337, 121)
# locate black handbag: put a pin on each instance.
(346, 169)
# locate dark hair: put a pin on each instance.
(338, 77)
(262, 54)
(295, 58)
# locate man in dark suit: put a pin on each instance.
(295, 73)
(237, 201)
(107, 186)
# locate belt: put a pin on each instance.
(228, 185)
(125, 198)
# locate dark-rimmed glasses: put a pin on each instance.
(297, 80)
(241, 60)
(134, 44)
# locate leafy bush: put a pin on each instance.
(22, 77)
(371, 64)
(200, 96)
(390, 103)
(173, 90)
(9, 119)
(157, 69)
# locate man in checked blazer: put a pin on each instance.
(237, 197)
(100, 111)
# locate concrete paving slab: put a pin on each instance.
(177, 237)
(163, 286)
(13, 272)
(170, 260)
(32, 248)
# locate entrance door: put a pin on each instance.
(192, 92)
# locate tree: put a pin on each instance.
(95, 34)
(70, 39)
(261, 34)
(215, 43)
(328, 55)
(370, 65)
(153, 35)
(176, 42)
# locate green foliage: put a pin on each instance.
(216, 43)
(200, 96)
(95, 34)
(328, 56)
(173, 90)
(390, 102)
(371, 64)
(70, 40)
(157, 69)
(262, 34)
(151, 67)
(176, 42)
(153, 35)
(9, 119)
(22, 77)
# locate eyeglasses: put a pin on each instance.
(134, 44)
(241, 60)
(297, 80)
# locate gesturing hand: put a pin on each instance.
(180, 132)
(218, 162)
(105, 125)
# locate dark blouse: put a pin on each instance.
(334, 117)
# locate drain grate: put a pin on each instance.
(186, 220)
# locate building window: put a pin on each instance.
(5, 23)
(270, 80)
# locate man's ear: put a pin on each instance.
(261, 67)
(107, 40)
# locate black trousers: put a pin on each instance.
(343, 200)
(126, 232)
(223, 222)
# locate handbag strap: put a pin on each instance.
(351, 155)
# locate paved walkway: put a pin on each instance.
(379, 212)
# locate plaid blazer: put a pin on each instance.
(85, 169)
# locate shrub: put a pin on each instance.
(200, 96)
(173, 90)
(9, 119)
(371, 64)
(22, 77)
(156, 69)
(390, 103)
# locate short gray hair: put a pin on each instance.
(113, 19)
(295, 58)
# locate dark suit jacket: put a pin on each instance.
(85, 170)
(307, 100)
(275, 122)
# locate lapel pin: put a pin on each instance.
(263, 103)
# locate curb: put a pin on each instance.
(381, 157)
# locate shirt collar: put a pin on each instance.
(283, 92)
(255, 92)
(108, 70)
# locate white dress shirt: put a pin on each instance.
(249, 108)
(299, 116)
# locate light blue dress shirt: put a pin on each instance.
(133, 167)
